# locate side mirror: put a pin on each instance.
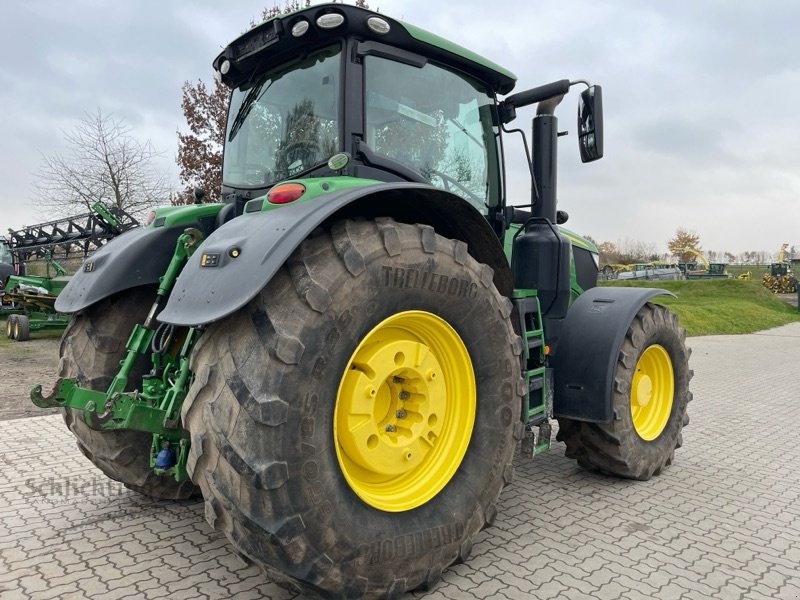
(590, 124)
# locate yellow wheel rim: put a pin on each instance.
(652, 389)
(404, 411)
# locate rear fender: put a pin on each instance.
(137, 257)
(588, 349)
(235, 262)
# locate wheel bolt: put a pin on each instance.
(404, 395)
(400, 413)
(397, 379)
(390, 428)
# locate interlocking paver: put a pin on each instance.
(724, 522)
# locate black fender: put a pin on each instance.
(245, 253)
(137, 257)
(588, 349)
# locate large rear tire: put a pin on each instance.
(91, 348)
(353, 426)
(651, 391)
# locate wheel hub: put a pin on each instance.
(652, 391)
(644, 390)
(395, 423)
(404, 411)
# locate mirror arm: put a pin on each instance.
(548, 107)
(548, 96)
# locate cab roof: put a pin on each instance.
(273, 42)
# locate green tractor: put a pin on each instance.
(344, 354)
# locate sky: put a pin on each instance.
(700, 99)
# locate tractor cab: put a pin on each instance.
(403, 104)
(393, 103)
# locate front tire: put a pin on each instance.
(651, 391)
(300, 399)
(91, 348)
(11, 322)
(22, 328)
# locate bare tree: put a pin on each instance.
(103, 163)
(609, 253)
(290, 6)
(627, 251)
(277, 10)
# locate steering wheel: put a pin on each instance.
(257, 173)
(448, 180)
(304, 150)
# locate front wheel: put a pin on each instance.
(11, 322)
(22, 328)
(650, 394)
(352, 427)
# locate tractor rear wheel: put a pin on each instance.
(651, 391)
(91, 348)
(353, 426)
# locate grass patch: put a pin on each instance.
(721, 306)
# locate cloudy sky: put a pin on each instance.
(701, 98)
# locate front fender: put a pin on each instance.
(588, 349)
(235, 262)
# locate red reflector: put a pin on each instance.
(285, 193)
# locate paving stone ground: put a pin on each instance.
(723, 522)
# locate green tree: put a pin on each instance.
(681, 242)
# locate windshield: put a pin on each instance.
(437, 122)
(5, 253)
(283, 122)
